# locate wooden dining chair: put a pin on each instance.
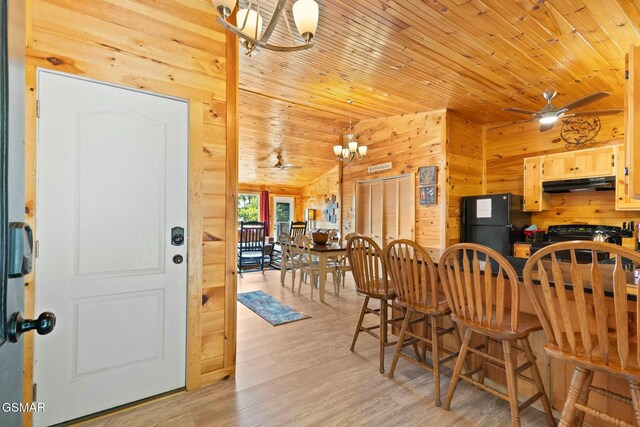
(588, 321)
(342, 263)
(309, 266)
(290, 260)
(297, 228)
(414, 278)
(479, 283)
(370, 274)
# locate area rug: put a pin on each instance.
(270, 308)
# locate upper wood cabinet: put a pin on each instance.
(595, 162)
(623, 200)
(632, 121)
(558, 166)
(534, 199)
(589, 163)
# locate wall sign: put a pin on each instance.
(381, 167)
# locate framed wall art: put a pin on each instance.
(428, 195)
(428, 175)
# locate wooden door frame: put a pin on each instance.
(193, 375)
(194, 169)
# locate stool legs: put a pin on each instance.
(458, 369)
(578, 381)
(635, 399)
(435, 351)
(365, 304)
(403, 331)
(512, 383)
(383, 332)
(584, 398)
(537, 379)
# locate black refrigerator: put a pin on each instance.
(494, 220)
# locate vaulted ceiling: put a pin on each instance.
(404, 56)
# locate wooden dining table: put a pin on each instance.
(324, 252)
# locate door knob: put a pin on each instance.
(43, 325)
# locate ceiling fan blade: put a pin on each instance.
(546, 126)
(586, 100)
(597, 113)
(520, 111)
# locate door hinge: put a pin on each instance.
(38, 108)
(626, 171)
(542, 169)
(613, 160)
(37, 249)
(35, 393)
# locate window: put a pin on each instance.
(284, 214)
(248, 207)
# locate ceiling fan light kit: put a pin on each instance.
(352, 150)
(305, 15)
(549, 114)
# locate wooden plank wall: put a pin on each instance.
(408, 141)
(321, 188)
(176, 49)
(441, 138)
(506, 148)
(465, 172)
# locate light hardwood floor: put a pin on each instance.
(303, 374)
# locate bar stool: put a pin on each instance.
(586, 339)
(342, 264)
(370, 275)
(415, 283)
(477, 301)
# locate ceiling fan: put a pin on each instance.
(549, 114)
(280, 165)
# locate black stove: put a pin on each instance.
(569, 232)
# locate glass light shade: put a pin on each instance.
(548, 120)
(305, 15)
(345, 152)
(362, 150)
(253, 27)
(310, 214)
(224, 7)
(353, 146)
(337, 149)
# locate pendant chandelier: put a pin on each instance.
(350, 151)
(249, 21)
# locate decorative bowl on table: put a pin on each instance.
(320, 237)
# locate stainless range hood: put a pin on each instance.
(604, 183)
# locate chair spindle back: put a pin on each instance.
(578, 308)
(367, 265)
(475, 289)
(252, 236)
(412, 273)
(298, 228)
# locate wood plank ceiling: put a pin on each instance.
(405, 56)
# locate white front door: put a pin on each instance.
(112, 183)
(283, 207)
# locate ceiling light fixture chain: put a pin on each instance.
(351, 151)
(305, 16)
